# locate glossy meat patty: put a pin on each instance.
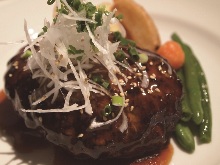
(151, 112)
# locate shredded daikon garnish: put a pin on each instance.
(15, 42)
(66, 43)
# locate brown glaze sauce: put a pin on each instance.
(25, 141)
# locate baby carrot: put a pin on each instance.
(173, 52)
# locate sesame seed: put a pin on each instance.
(129, 77)
(153, 76)
(132, 108)
(143, 67)
(80, 135)
(15, 63)
(151, 63)
(120, 80)
(139, 74)
(10, 75)
(134, 84)
(157, 89)
(149, 91)
(114, 81)
(142, 90)
(159, 67)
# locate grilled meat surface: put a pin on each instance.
(151, 112)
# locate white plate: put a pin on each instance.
(197, 22)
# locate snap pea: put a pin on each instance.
(186, 110)
(205, 128)
(185, 137)
(192, 82)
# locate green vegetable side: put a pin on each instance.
(196, 109)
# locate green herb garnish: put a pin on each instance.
(119, 55)
(117, 100)
(50, 2)
(73, 50)
(63, 10)
(134, 54)
(101, 81)
(123, 41)
(107, 110)
(97, 78)
(26, 54)
(119, 17)
(143, 58)
(45, 29)
(105, 84)
(77, 5)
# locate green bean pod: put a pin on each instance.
(185, 137)
(186, 110)
(192, 82)
(205, 127)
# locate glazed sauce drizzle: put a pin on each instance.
(26, 140)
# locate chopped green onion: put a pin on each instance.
(77, 5)
(119, 17)
(79, 58)
(81, 26)
(108, 110)
(97, 78)
(134, 54)
(117, 100)
(90, 9)
(132, 51)
(63, 10)
(98, 15)
(55, 20)
(127, 42)
(40, 34)
(123, 41)
(50, 2)
(45, 29)
(143, 58)
(135, 57)
(73, 50)
(105, 84)
(117, 36)
(119, 55)
(26, 54)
